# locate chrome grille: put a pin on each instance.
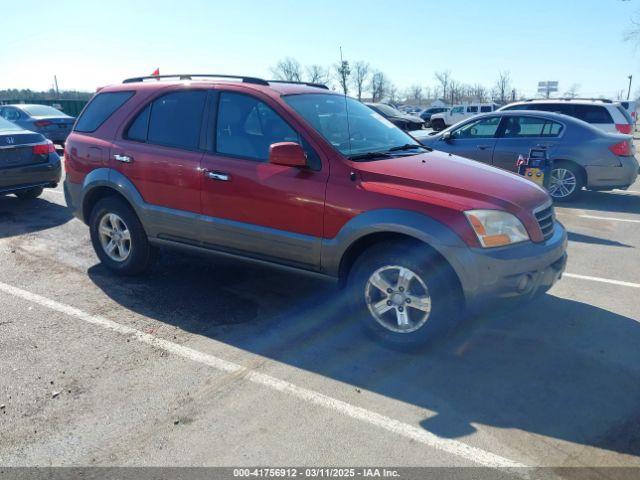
(545, 217)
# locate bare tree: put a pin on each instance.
(343, 71)
(573, 92)
(444, 79)
(361, 73)
(479, 93)
(502, 88)
(414, 94)
(317, 74)
(392, 93)
(455, 91)
(288, 69)
(379, 84)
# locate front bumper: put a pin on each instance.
(613, 177)
(45, 174)
(517, 271)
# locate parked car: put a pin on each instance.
(426, 114)
(28, 162)
(583, 156)
(401, 120)
(631, 107)
(603, 114)
(304, 177)
(48, 121)
(457, 113)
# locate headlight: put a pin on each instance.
(495, 228)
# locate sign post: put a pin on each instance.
(548, 87)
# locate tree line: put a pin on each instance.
(365, 82)
(31, 95)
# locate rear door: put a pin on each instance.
(519, 134)
(475, 139)
(160, 151)
(251, 205)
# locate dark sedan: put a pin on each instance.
(43, 119)
(399, 119)
(583, 156)
(28, 162)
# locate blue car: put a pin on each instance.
(43, 119)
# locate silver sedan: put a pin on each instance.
(583, 156)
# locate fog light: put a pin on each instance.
(523, 283)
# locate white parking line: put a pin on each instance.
(613, 219)
(406, 430)
(602, 280)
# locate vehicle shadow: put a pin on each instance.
(579, 237)
(558, 368)
(18, 217)
(615, 202)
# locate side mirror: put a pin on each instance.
(446, 136)
(289, 154)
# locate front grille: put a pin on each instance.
(545, 218)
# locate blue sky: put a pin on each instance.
(89, 44)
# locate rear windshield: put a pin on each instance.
(41, 110)
(7, 125)
(626, 114)
(99, 109)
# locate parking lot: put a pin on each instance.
(217, 362)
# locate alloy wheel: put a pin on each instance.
(398, 299)
(563, 183)
(115, 237)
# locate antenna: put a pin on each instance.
(346, 105)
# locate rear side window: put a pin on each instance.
(175, 119)
(519, 127)
(592, 114)
(626, 114)
(486, 108)
(99, 109)
(138, 129)
(472, 109)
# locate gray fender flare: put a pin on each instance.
(413, 224)
(107, 177)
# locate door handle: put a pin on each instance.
(484, 147)
(223, 177)
(122, 158)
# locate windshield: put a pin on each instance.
(388, 110)
(41, 110)
(7, 125)
(351, 127)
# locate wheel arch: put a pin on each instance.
(101, 183)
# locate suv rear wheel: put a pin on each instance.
(119, 238)
(403, 293)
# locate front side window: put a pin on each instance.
(457, 110)
(350, 126)
(247, 127)
(175, 119)
(485, 128)
(99, 109)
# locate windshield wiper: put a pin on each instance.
(407, 146)
(370, 155)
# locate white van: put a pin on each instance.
(440, 121)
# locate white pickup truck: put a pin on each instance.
(440, 121)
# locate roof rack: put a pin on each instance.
(191, 76)
(567, 99)
(308, 84)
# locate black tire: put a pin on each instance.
(29, 193)
(141, 254)
(446, 301)
(438, 124)
(558, 194)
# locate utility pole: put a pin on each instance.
(629, 91)
(55, 82)
(513, 95)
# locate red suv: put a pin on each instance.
(297, 175)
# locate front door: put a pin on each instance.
(250, 205)
(475, 140)
(519, 134)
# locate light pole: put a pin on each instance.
(629, 91)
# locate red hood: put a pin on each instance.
(454, 180)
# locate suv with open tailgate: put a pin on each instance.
(297, 175)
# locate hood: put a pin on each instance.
(455, 180)
(412, 118)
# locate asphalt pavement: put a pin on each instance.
(210, 362)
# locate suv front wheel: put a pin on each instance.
(403, 293)
(119, 238)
